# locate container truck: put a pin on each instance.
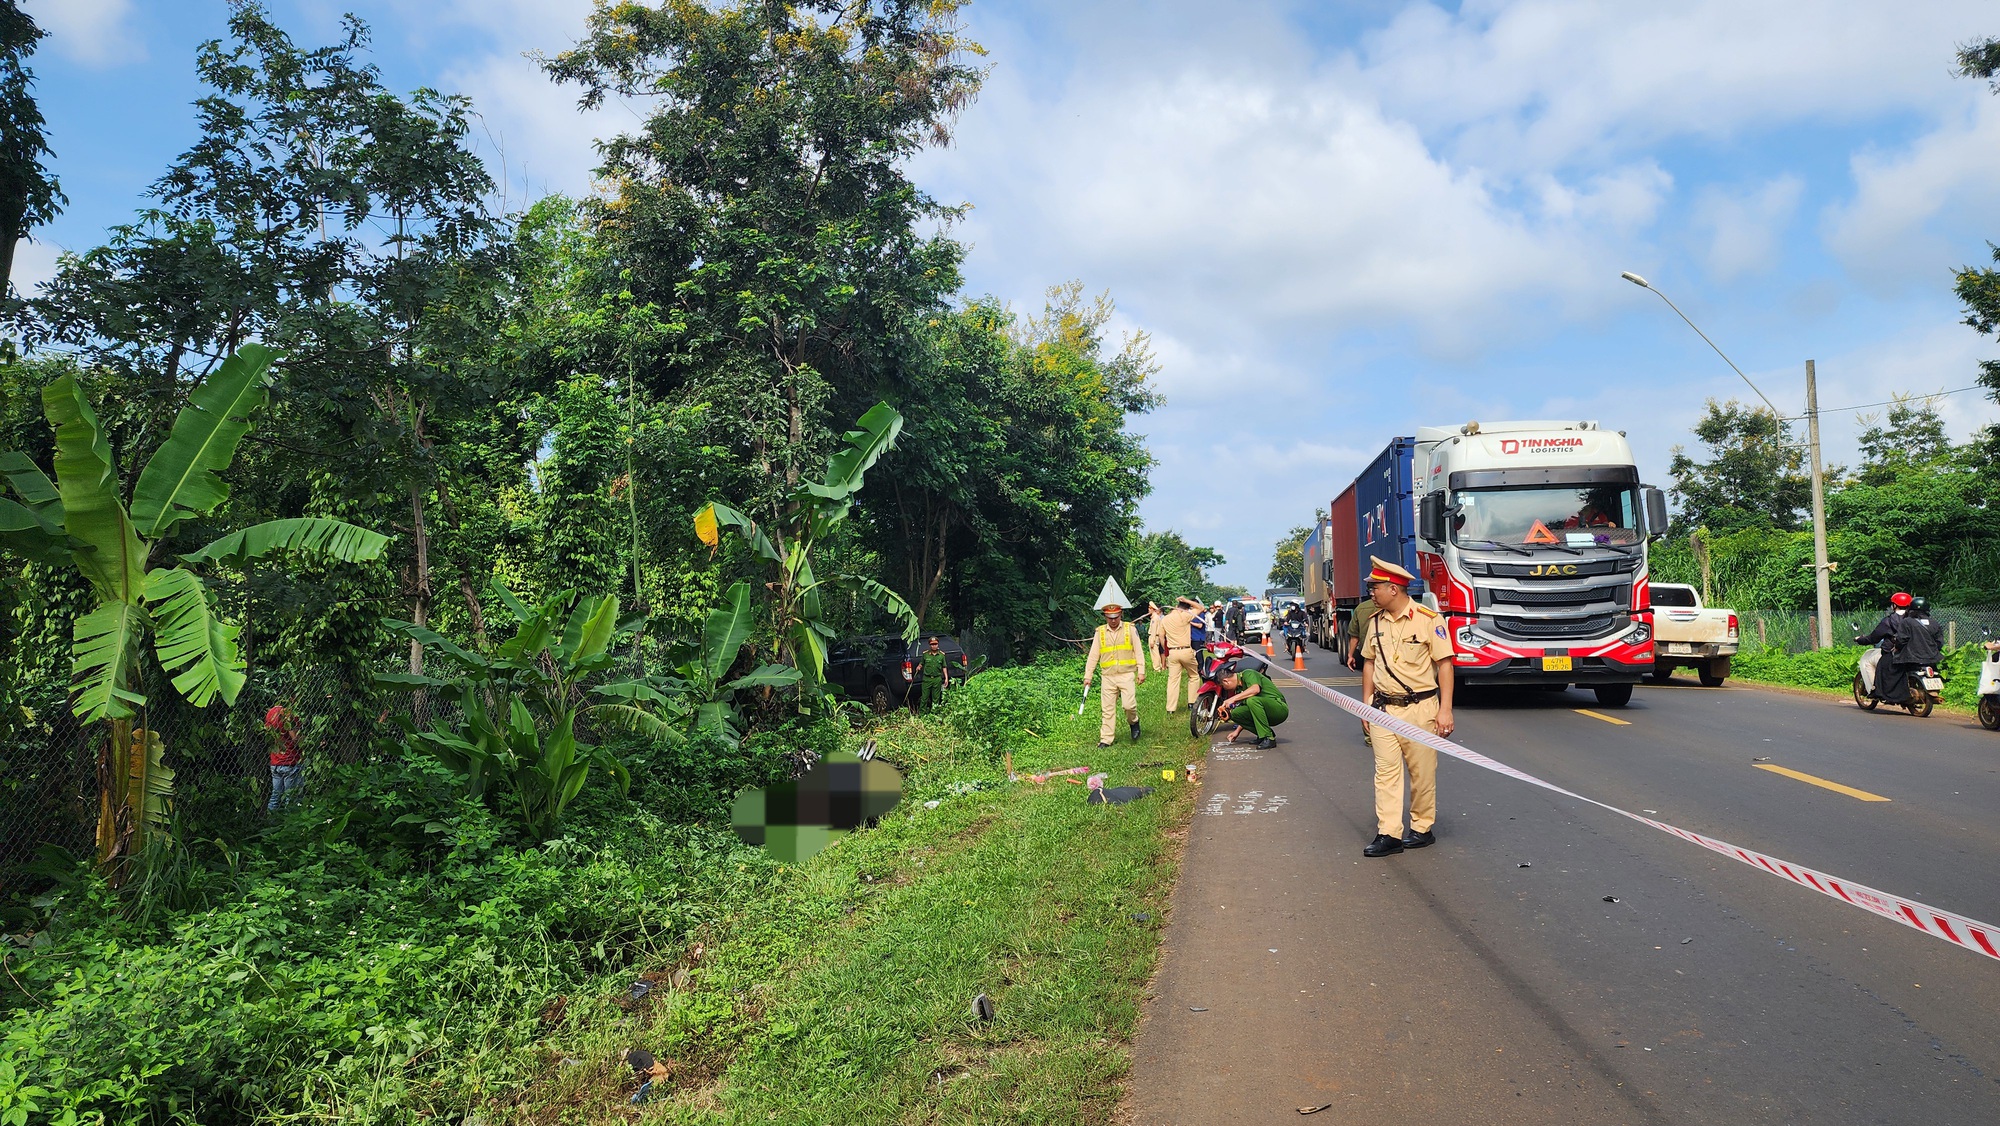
(1529, 537)
(1312, 590)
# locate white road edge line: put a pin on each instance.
(1971, 934)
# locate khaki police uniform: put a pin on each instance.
(1405, 648)
(1179, 661)
(1122, 656)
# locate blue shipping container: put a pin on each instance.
(1383, 499)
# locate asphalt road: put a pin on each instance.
(1487, 980)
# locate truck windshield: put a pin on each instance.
(1570, 516)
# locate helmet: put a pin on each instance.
(1900, 599)
(1920, 603)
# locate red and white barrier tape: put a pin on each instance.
(1973, 935)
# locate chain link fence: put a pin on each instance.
(1793, 631)
(48, 765)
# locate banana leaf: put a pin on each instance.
(197, 648)
(727, 628)
(181, 478)
(104, 647)
(109, 551)
(335, 539)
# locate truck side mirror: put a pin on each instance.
(1656, 513)
(1430, 518)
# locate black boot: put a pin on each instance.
(1135, 730)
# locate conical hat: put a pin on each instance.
(1111, 595)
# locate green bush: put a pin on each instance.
(1007, 708)
(391, 964)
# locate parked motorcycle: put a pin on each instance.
(1989, 687)
(1926, 687)
(1207, 699)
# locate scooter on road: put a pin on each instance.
(1926, 687)
(1989, 687)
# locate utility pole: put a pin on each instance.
(1822, 580)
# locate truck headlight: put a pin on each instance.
(1469, 638)
(1640, 634)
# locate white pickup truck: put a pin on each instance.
(1687, 634)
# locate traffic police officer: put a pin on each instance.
(1117, 647)
(1176, 650)
(1406, 672)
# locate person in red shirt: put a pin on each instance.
(286, 770)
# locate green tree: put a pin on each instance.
(29, 193)
(1979, 287)
(1754, 475)
(80, 516)
(1912, 437)
(347, 226)
(1288, 557)
(764, 209)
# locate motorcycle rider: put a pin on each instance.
(1891, 635)
(1925, 647)
(1295, 624)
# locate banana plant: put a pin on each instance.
(700, 668)
(524, 704)
(807, 516)
(79, 519)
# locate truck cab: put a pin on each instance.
(1533, 538)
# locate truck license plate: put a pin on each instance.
(1555, 664)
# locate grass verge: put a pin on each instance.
(843, 993)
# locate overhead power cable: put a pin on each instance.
(1890, 402)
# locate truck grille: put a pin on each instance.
(1567, 568)
(1536, 629)
(1616, 595)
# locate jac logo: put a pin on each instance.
(1551, 570)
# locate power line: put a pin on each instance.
(1887, 402)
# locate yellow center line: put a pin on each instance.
(1605, 718)
(1822, 783)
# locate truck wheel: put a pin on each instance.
(1989, 713)
(1661, 673)
(1708, 677)
(1613, 695)
(880, 699)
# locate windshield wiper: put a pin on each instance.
(1515, 548)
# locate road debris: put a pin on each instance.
(1314, 1109)
(1610, 899)
(1197, 1008)
(982, 1008)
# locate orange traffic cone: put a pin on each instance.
(1268, 650)
(1298, 660)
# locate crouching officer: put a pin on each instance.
(1405, 671)
(1254, 702)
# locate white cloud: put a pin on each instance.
(93, 32)
(1525, 84)
(34, 264)
(1743, 228)
(1913, 206)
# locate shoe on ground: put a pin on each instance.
(1266, 744)
(1383, 845)
(1414, 839)
(1135, 732)
(1102, 746)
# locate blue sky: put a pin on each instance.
(1337, 222)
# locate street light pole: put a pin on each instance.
(1822, 570)
(1822, 585)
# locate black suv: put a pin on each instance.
(884, 671)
